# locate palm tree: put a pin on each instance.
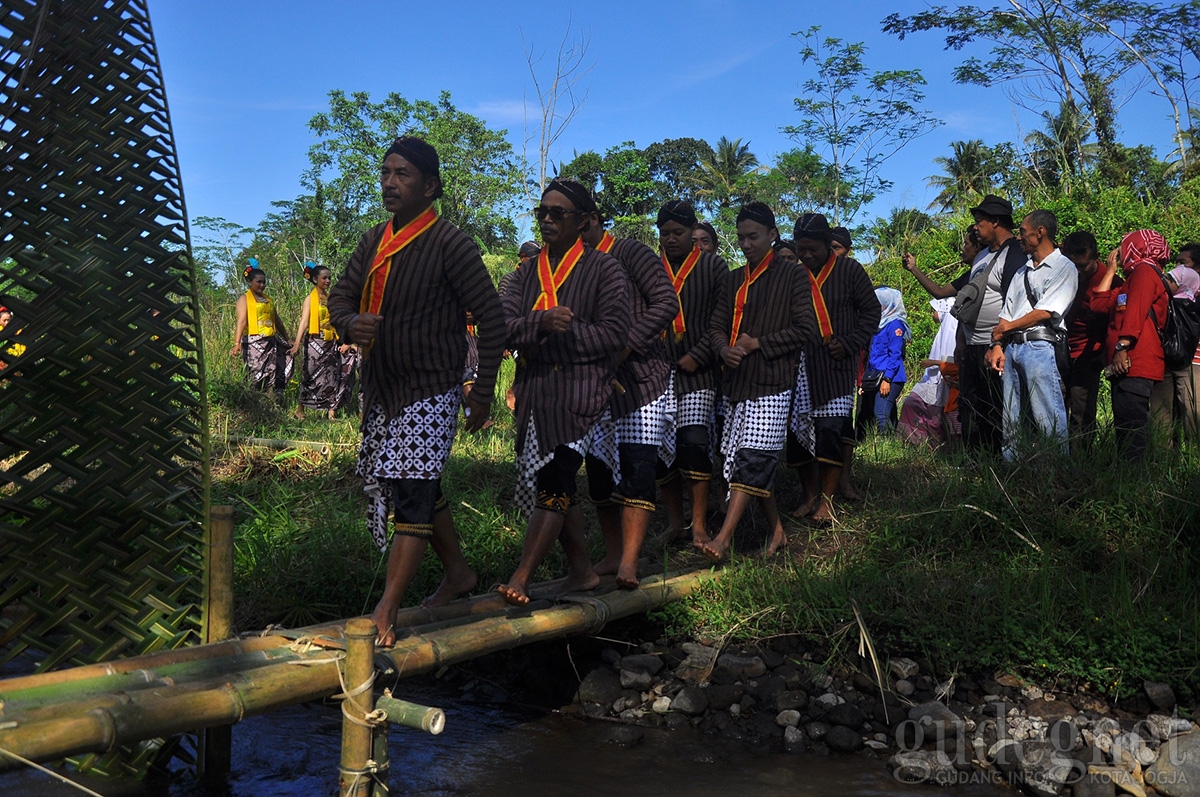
(1058, 154)
(968, 175)
(720, 173)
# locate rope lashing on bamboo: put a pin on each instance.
(51, 773)
(603, 613)
(370, 770)
(371, 719)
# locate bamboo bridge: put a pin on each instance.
(97, 707)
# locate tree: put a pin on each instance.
(559, 97)
(720, 173)
(972, 171)
(675, 167)
(860, 118)
(1058, 156)
(1064, 51)
(483, 181)
(218, 248)
(892, 236)
(797, 182)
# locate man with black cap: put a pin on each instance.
(642, 409)
(569, 316)
(763, 319)
(404, 299)
(526, 255)
(847, 313)
(695, 276)
(977, 309)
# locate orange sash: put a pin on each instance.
(606, 242)
(823, 319)
(390, 244)
(677, 281)
(739, 302)
(552, 280)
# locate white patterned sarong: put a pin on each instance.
(413, 445)
(653, 425)
(530, 461)
(759, 424)
(802, 411)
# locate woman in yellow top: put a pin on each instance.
(16, 349)
(329, 366)
(259, 337)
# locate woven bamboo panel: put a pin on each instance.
(103, 463)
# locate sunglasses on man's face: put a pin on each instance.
(554, 214)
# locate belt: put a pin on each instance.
(1036, 333)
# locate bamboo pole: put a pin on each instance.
(215, 758)
(355, 777)
(410, 715)
(148, 713)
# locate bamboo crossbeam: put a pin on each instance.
(411, 715)
(163, 710)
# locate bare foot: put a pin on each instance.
(777, 543)
(450, 588)
(298, 414)
(805, 509)
(513, 594)
(607, 566)
(583, 584)
(627, 579)
(823, 512)
(332, 413)
(385, 626)
(715, 549)
(850, 494)
(700, 538)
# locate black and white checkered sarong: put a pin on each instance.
(530, 461)
(653, 425)
(413, 445)
(760, 423)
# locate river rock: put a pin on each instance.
(1106, 725)
(790, 717)
(742, 666)
(816, 730)
(636, 679)
(904, 668)
(1050, 710)
(923, 766)
(1162, 727)
(846, 715)
(792, 699)
(661, 706)
(601, 686)
(794, 740)
(690, 700)
(770, 657)
(625, 736)
(1043, 769)
(767, 689)
(939, 717)
(826, 701)
(642, 662)
(723, 697)
(1005, 754)
(841, 739)
(1129, 751)
(1176, 773)
(905, 687)
(1160, 694)
(1094, 784)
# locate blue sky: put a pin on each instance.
(243, 78)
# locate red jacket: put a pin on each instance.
(1129, 316)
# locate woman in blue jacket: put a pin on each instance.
(885, 361)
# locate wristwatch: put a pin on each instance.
(1122, 346)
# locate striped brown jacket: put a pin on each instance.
(854, 311)
(779, 312)
(644, 373)
(421, 346)
(698, 300)
(564, 380)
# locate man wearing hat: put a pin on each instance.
(404, 299)
(980, 388)
(847, 313)
(641, 410)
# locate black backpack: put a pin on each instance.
(1181, 333)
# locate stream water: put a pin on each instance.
(493, 749)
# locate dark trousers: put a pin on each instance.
(981, 401)
(1131, 416)
(1083, 388)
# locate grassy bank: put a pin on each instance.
(1079, 571)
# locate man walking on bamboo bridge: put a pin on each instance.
(404, 300)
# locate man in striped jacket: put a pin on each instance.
(404, 299)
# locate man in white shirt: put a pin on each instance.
(1031, 325)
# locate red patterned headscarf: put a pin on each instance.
(1143, 246)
